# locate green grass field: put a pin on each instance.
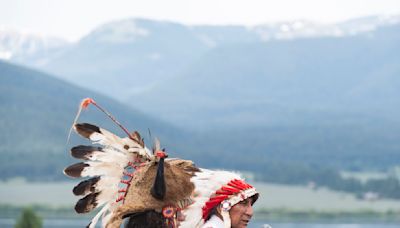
(19, 193)
(273, 196)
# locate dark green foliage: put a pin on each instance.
(28, 219)
(389, 187)
(301, 174)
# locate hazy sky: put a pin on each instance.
(71, 19)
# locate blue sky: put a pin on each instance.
(72, 19)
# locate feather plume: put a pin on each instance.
(135, 136)
(156, 145)
(85, 187)
(94, 200)
(75, 170)
(107, 217)
(86, 130)
(108, 139)
(95, 219)
(91, 169)
(85, 152)
(109, 169)
(93, 153)
(87, 203)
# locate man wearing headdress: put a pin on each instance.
(239, 214)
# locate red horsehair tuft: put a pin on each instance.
(85, 102)
(161, 154)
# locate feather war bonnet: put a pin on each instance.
(125, 178)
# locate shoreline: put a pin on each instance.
(273, 215)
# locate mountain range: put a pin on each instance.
(144, 53)
(224, 96)
(232, 75)
(286, 81)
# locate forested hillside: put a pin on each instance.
(37, 112)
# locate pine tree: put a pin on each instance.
(28, 219)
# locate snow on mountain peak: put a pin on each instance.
(6, 55)
(15, 43)
(306, 29)
(120, 32)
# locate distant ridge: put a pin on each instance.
(144, 53)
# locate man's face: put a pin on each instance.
(241, 213)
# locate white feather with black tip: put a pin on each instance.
(105, 165)
(103, 137)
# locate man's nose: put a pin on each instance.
(249, 210)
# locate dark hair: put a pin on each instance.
(145, 219)
(212, 212)
(254, 198)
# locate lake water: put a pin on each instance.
(75, 223)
